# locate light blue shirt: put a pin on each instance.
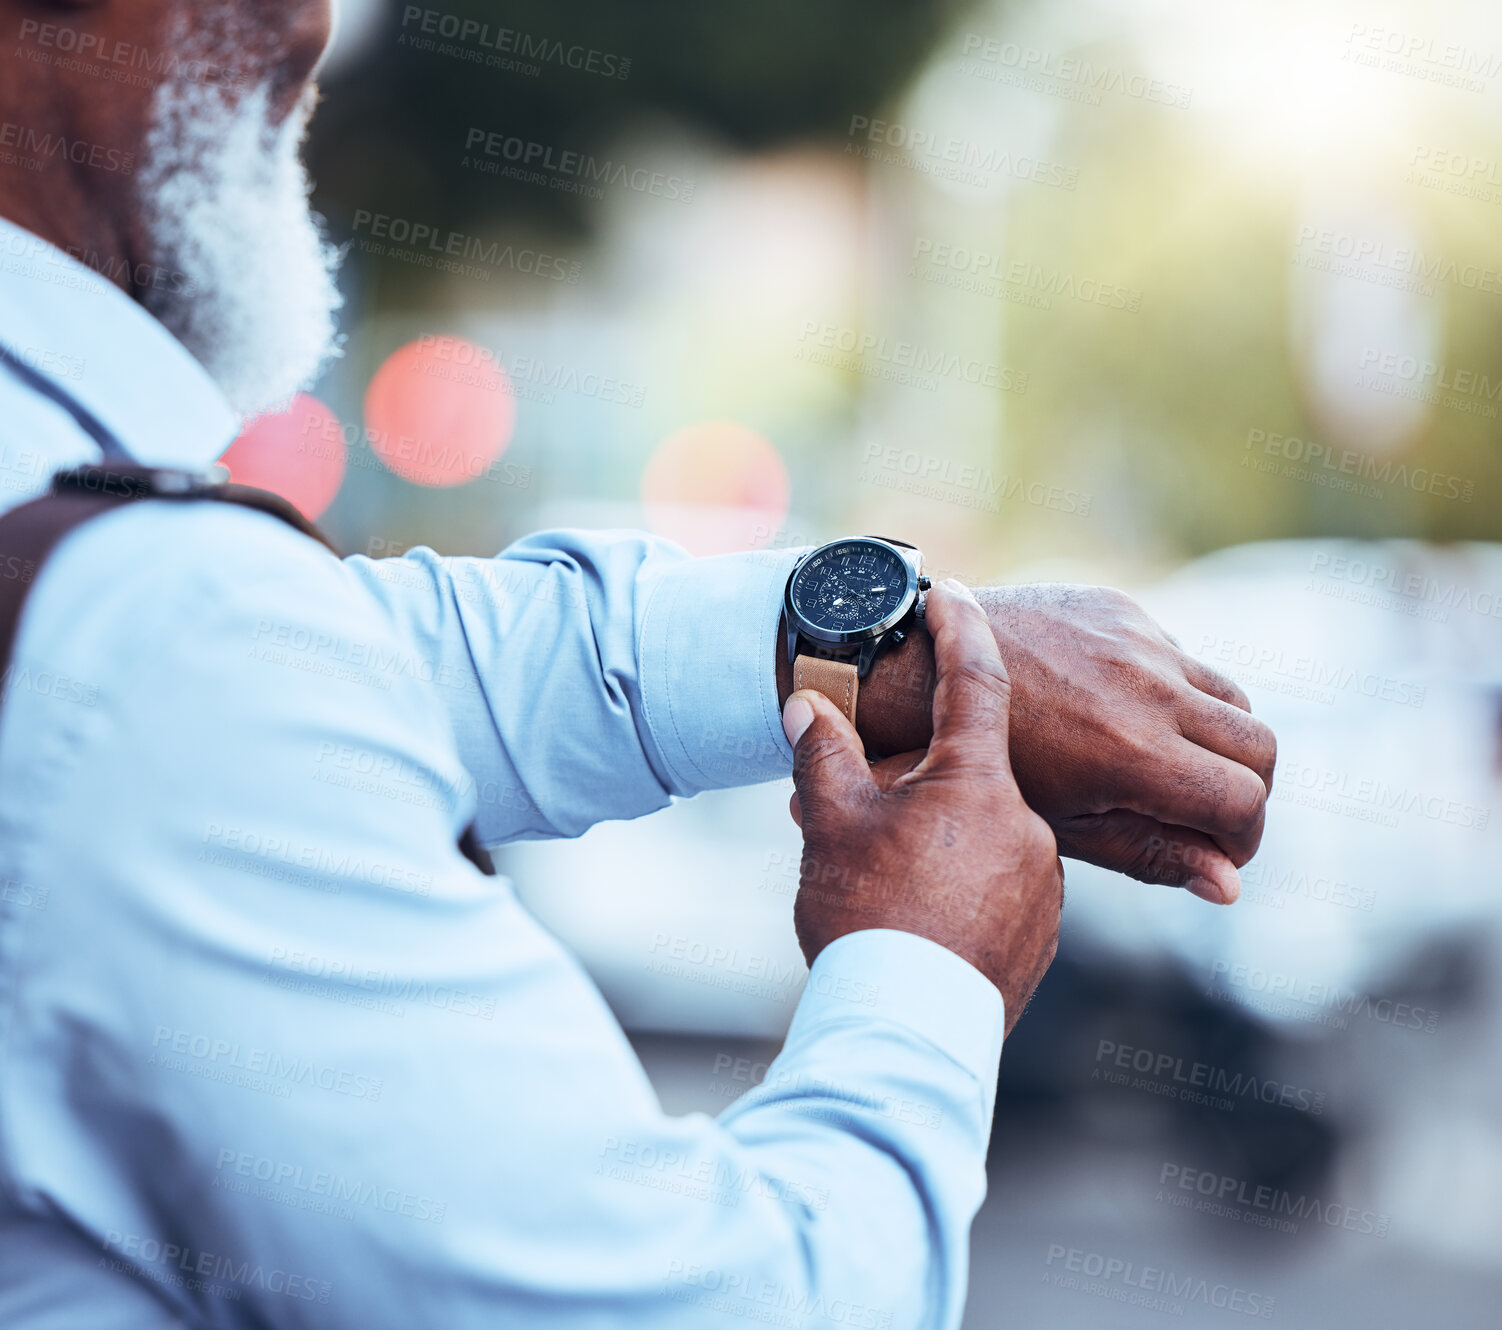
(273, 1053)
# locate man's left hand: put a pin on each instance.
(1139, 757)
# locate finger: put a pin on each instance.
(973, 693)
(886, 773)
(890, 770)
(829, 760)
(1152, 851)
(1185, 785)
(1212, 681)
(1223, 728)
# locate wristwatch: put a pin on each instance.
(845, 603)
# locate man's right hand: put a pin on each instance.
(948, 850)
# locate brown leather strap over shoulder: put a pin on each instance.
(30, 532)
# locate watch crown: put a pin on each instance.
(924, 583)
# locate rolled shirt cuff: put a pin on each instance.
(708, 666)
(906, 979)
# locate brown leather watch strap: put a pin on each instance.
(836, 679)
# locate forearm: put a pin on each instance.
(591, 675)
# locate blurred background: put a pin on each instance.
(1194, 297)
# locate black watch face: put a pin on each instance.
(848, 587)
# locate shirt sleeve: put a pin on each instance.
(277, 1054)
(651, 672)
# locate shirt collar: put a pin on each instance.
(104, 351)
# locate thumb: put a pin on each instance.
(972, 692)
(829, 760)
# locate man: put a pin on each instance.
(272, 1051)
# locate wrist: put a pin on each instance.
(894, 709)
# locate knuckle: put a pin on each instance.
(1221, 685)
(1245, 799)
(1038, 840)
(1143, 745)
(1114, 599)
(1267, 753)
(1234, 693)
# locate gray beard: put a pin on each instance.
(247, 278)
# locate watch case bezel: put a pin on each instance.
(864, 642)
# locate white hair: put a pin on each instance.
(247, 281)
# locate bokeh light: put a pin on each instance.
(439, 411)
(716, 487)
(297, 453)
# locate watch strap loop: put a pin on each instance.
(836, 679)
